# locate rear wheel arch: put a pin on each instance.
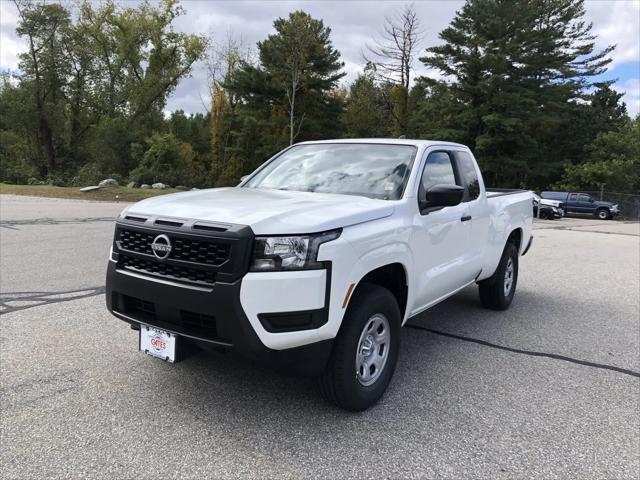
(497, 291)
(515, 237)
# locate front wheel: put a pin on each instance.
(365, 351)
(603, 214)
(497, 291)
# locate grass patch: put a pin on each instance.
(104, 194)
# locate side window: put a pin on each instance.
(573, 197)
(469, 175)
(584, 198)
(438, 170)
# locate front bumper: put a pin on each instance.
(217, 315)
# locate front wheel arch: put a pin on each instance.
(393, 277)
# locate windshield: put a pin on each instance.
(370, 170)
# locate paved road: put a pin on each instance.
(548, 389)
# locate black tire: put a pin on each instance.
(340, 383)
(492, 290)
(603, 214)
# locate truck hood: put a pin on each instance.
(267, 212)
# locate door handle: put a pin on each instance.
(466, 218)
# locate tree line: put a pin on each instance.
(514, 80)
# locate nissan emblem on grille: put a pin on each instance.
(161, 247)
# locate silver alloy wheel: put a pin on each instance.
(373, 349)
(603, 214)
(508, 277)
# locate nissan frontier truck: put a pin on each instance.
(316, 260)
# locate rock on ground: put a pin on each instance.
(109, 182)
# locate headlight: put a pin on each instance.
(299, 252)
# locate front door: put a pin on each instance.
(440, 244)
(584, 204)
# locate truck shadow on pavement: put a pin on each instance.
(436, 348)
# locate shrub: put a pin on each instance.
(15, 166)
(166, 160)
(56, 180)
(87, 174)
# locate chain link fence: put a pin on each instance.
(628, 203)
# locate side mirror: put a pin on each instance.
(243, 178)
(442, 196)
(591, 200)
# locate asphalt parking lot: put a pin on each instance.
(547, 389)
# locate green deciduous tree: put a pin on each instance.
(45, 26)
(613, 162)
(93, 76)
(167, 159)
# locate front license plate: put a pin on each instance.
(158, 343)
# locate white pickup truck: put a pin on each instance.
(318, 258)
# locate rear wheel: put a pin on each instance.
(497, 291)
(365, 351)
(603, 214)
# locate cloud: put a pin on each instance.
(617, 23)
(10, 44)
(631, 89)
(353, 24)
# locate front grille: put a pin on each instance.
(220, 253)
(172, 272)
(207, 252)
(199, 252)
(135, 241)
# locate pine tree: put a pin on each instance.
(299, 67)
(366, 114)
(515, 70)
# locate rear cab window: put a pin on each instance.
(469, 175)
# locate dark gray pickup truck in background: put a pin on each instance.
(583, 203)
